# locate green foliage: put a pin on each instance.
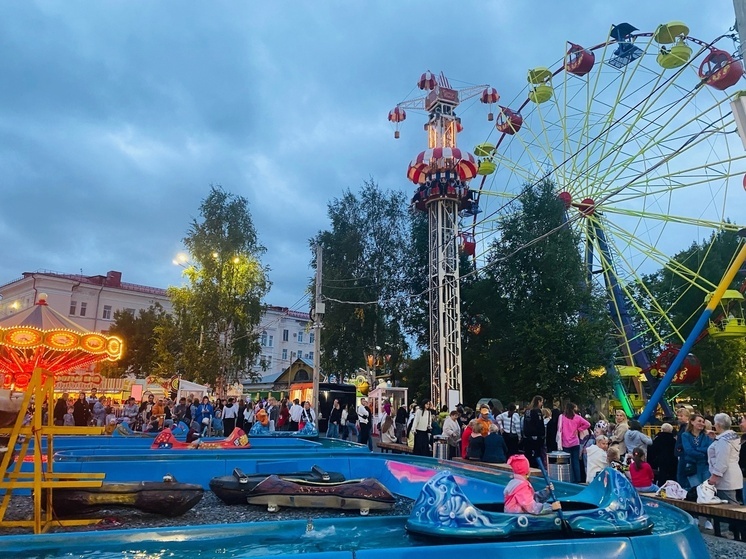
(364, 254)
(137, 333)
(217, 312)
(416, 377)
(416, 319)
(721, 385)
(541, 327)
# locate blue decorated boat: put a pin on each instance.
(608, 506)
(309, 430)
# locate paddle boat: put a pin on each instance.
(167, 497)
(379, 535)
(356, 494)
(167, 440)
(234, 489)
(609, 506)
(261, 429)
(179, 430)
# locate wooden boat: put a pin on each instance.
(358, 494)
(609, 506)
(167, 440)
(233, 490)
(167, 497)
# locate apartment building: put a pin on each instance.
(91, 301)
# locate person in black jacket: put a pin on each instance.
(400, 423)
(551, 440)
(335, 419)
(60, 409)
(534, 433)
(662, 455)
(81, 411)
(475, 448)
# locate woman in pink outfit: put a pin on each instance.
(520, 497)
(570, 424)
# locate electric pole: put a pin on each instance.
(318, 316)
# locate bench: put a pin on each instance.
(718, 513)
(396, 448)
(492, 466)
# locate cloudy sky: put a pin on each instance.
(117, 116)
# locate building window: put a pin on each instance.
(263, 339)
(268, 361)
(131, 311)
(107, 312)
(311, 337)
(300, 337)
(284, 354)
(285, 335)
(73, 307)
(310, 355)
(83, 308)
(271, 341)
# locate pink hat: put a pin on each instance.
(519, 464)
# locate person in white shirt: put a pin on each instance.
(595, 457)
(421, 425)
(295, 410)
(307, 415)
(452, 433)
(363, 418)
(510, 425)
(230, 412)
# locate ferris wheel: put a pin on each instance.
(638, 137)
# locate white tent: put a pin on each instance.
(191, 390)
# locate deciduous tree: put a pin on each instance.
(218, 310)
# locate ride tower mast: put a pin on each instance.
(441, 174)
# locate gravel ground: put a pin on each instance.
(722, 548)
(211, 510)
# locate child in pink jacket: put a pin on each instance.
(520, 497)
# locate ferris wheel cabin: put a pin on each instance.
(731, 324)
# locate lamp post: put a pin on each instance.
(224, 271)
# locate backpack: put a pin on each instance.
(352, 416)
(533, 425)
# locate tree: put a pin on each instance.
(137, 332)
(217, 313)
(543, 328)
(721, 384)
(364, 273)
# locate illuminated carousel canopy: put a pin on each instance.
(41, 337)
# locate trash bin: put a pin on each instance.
(559, 465)
(440, 448)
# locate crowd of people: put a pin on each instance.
(205, 417)
(694, 451)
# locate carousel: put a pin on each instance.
(35, 345)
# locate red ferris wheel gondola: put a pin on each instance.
(579, 61)
(508, 121)
(720, 70)
(468, 244)
(690, 371)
